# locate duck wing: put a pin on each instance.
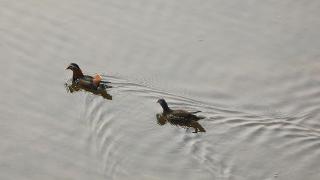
(95, 80)
(195, 112)
(87, 78)
(180, 117)
(183, 114)
(86, 82)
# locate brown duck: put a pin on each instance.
(179, 117)
(85, 81)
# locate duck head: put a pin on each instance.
(164, 105)
(77, 73)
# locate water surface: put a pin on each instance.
(251, 67)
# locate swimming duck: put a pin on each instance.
(85, 81)
(179, 117)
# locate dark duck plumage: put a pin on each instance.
(85, 81)
(93, 84)
(179, 117)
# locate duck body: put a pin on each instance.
(85, 81)
(88, 82)
(180, 117)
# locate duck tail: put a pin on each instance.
(105, 82)
(200, 117)
(104, 86)
(195, 112)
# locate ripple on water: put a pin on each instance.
(127, 136)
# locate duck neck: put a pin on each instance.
(77, 73)
(165, 107)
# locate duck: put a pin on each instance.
(85, 81)
(179, 117)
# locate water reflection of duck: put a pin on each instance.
(73, 87)
(85, 81)
(92, 84)
(179, 117)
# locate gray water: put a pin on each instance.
(251, 67)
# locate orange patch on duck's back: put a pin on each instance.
(97, 79)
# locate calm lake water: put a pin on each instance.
(252, 68)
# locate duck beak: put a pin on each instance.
(69, 67)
